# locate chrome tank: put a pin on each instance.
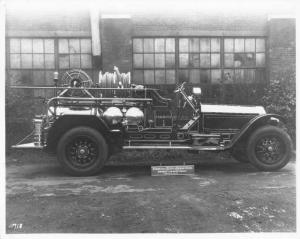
(113, 115)
(134, 116)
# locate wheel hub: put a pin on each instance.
(269, 150)
(82, 152)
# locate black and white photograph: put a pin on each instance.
(148, 118)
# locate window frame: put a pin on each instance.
(56, 53)
(155, 69)
(222, 53)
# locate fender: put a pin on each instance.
(66, 122)
(253, 124)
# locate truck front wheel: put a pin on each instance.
(269, 148)
(82, 151)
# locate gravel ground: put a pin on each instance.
(222, 196)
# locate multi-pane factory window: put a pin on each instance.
(75, 53)
(35, 53)
(199, 60)
(27, 53)
(33, 60)
(154, 60)
(244, 60)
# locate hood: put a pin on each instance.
(232, 109)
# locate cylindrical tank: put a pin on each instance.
(134, 116)
(113, 115)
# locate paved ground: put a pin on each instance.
(222, 196)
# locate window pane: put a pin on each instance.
(250, 45)
(49, 61)
(244, 60)
(183, 45)
(205, 76)
(148, 60)
(170, 76)
(228, 45)
(15, 46)
(15, 61)
(148, 45)
(49, 79)
(49, 46)
(137, 45)
(149, 77)
(159, 45)
(38, 60)
(249, 76)
(183, 75)
(228, 58)
(74, 46)
(137, 60)
(26, 61)
(260, 59)
(204, 60)
(38, 46)
(38, 78)
(64, 61)
(259, 75)
(138, 76)
(260, 45)
(215, 60)
(15, 76)
(85, 46)
(159, 77)
(170, 45)
(160, 60)
(195, 76)
(215, 76)
(63, 46)
(239, 45)
(26, 46)
(75, 61)
(86, 61)
(194, 45)
(239, 76)
(228, 76)
(205, 45)
(195, 60)
(215, 45)
(170, 60)
(183, 60)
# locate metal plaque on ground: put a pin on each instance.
(172, 170)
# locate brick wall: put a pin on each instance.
(200, 24)
(282, 47)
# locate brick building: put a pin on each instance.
(231, 56)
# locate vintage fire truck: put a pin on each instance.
(85, 124)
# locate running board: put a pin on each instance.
(198, 148)
(27, 146)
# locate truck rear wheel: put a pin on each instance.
(269, 148)
(82, 151)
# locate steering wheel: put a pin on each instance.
(180, 87)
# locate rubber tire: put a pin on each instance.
(71, 135)
(262, 132)
(240, 154)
